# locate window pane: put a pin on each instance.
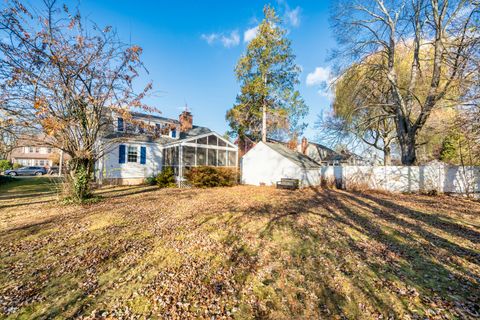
(222, 158)
(212, 140)
(188, 156)
(232, 157)
(222, 143)
(212, 157)
(202, 140)
(132, 154)
(201, 156)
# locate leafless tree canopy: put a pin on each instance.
(442, 41)
(64, 76)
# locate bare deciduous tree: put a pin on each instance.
(65, 77)
(360, 110)
(442, 37)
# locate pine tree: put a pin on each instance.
(268, 103)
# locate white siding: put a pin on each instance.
(264, 166)
(110, 167)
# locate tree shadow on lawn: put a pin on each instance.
(408, 251)
(20, 204)
(322, 251)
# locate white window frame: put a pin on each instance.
(136, 152)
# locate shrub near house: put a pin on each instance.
(166, 178)
(5, 165)
(208, 177)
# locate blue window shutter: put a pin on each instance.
(121, 153)
(174, 133)
(143, 155)
(119, 124)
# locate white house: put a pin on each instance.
(327, 156)
(136, 153)
(267, 163)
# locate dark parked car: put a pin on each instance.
(27, 171)
(54, 170)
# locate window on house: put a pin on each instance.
(37, 150)
(30, 149)
(132, 154)
(49, 150)
(174, 133)
(41, 162)
(119, 124)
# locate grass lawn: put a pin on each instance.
(28, 186)
(241, 252)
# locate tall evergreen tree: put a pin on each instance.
(268, 103)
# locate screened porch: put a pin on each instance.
(206, 150)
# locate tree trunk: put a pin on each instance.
(264, 123)
(407, 138)
(81, 175)
(264, 114)
(387, 156)
(409, 152)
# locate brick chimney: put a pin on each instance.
(304, 145)
(186, 120)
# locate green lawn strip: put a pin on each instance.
(27, 185)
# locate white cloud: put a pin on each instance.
(250, 34)
(228, 41)
(210, 38)
(293, 16)
(232, 40)
(318, 77)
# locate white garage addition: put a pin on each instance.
(267, 163)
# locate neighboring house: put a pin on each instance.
(136, 153)
(327, 156)
(267, 163)
(318, 152)
(32, 153)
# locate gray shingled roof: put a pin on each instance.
(298, 158)
(195, 131)
(152, 116)
(139, 137)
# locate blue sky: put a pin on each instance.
(191, 48)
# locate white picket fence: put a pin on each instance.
(435, 176)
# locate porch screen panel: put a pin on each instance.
(232, 157)
(221, 143)
(202, 140)
(222, 158)
(201, 156)
(167, 157)
(212, 140)
(188, 156)
(212, 157)
(175, 156)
